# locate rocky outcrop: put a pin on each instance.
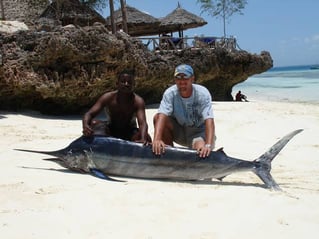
(67, 69)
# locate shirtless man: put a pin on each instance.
(122, 107)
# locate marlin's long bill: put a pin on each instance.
(107, 156)
(58, 154)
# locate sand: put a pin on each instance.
(40, 199)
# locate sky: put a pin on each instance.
(288, 29)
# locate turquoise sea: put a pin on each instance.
(290, 84)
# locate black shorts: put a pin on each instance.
(124, 133)
(107, 129)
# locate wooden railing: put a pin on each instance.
(176, 43)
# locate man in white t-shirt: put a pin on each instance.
(185, 115)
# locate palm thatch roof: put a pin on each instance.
(138, 23)
(180, 20)
(72, 12)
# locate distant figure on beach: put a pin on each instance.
(241, 97)
(123, 108)
(185, 115)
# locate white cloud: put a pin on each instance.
(313, 39)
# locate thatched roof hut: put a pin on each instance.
(72, 12)
(138, 23)
(180, 20)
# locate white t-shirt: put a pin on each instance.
(192, 111)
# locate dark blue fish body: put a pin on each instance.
(109, 156)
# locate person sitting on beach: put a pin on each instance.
(122, 107)
(241, 97)
(185, 115)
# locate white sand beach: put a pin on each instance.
(40, 199)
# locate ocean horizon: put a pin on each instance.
(284, 84)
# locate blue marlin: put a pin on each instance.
(106, 156)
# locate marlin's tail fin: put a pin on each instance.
(263, 163)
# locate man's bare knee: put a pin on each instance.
(100, 128)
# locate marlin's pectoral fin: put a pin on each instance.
(97, 173)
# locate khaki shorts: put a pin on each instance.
(186, 135)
